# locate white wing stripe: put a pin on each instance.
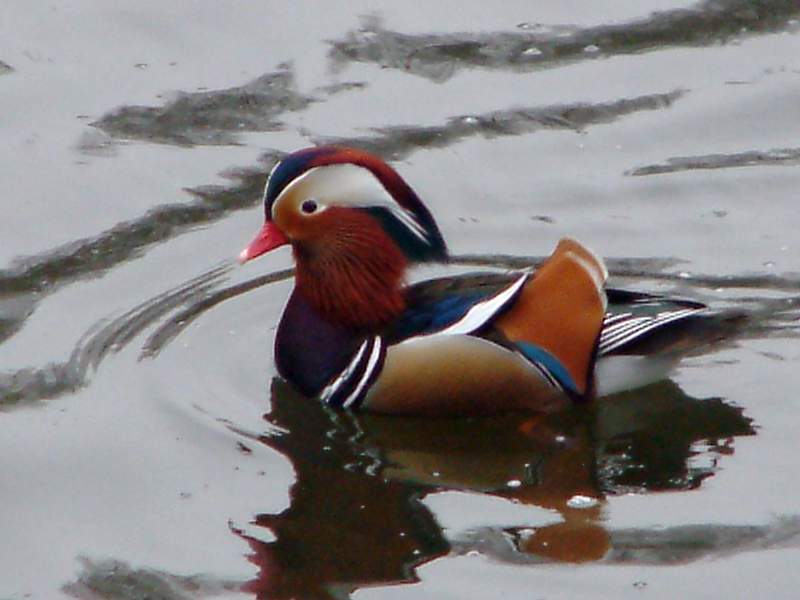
(617, 341)
(623, 328)
(333, 387)
(630, 333)
(377, 347)
(614, 318)
(483, 311)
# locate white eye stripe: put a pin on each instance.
(289, 188)
(349, 185)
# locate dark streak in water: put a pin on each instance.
(650, 268)
(438, 56)
(694, 542)
(32, 277)
(117, 579)
(91, 257)
(670, 546)
(397, 142)
(214, 117)
(54, 379)
(170, 329)
(5, 68)
(338, 88)
(779, 157)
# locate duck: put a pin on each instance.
(357, 336)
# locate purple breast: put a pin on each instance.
(309, 350)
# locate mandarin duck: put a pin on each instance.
(356, 336)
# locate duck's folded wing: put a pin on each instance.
(557, 319)
(649, 324)
(455, 305)
(551, 318)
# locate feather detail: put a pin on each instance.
(357, 178)
(561, 310)
(352, 272)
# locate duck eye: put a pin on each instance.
(309, 206)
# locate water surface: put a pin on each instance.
(148, 449)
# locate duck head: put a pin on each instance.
(354, 226)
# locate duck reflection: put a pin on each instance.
(356, 518)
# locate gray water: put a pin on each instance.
(146, 448)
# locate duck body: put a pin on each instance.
(354, 335)
(437, 357)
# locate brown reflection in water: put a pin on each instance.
(347, 526)
(355, 518)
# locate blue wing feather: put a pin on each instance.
(542, 359)
(435, 316)
(436, 304)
